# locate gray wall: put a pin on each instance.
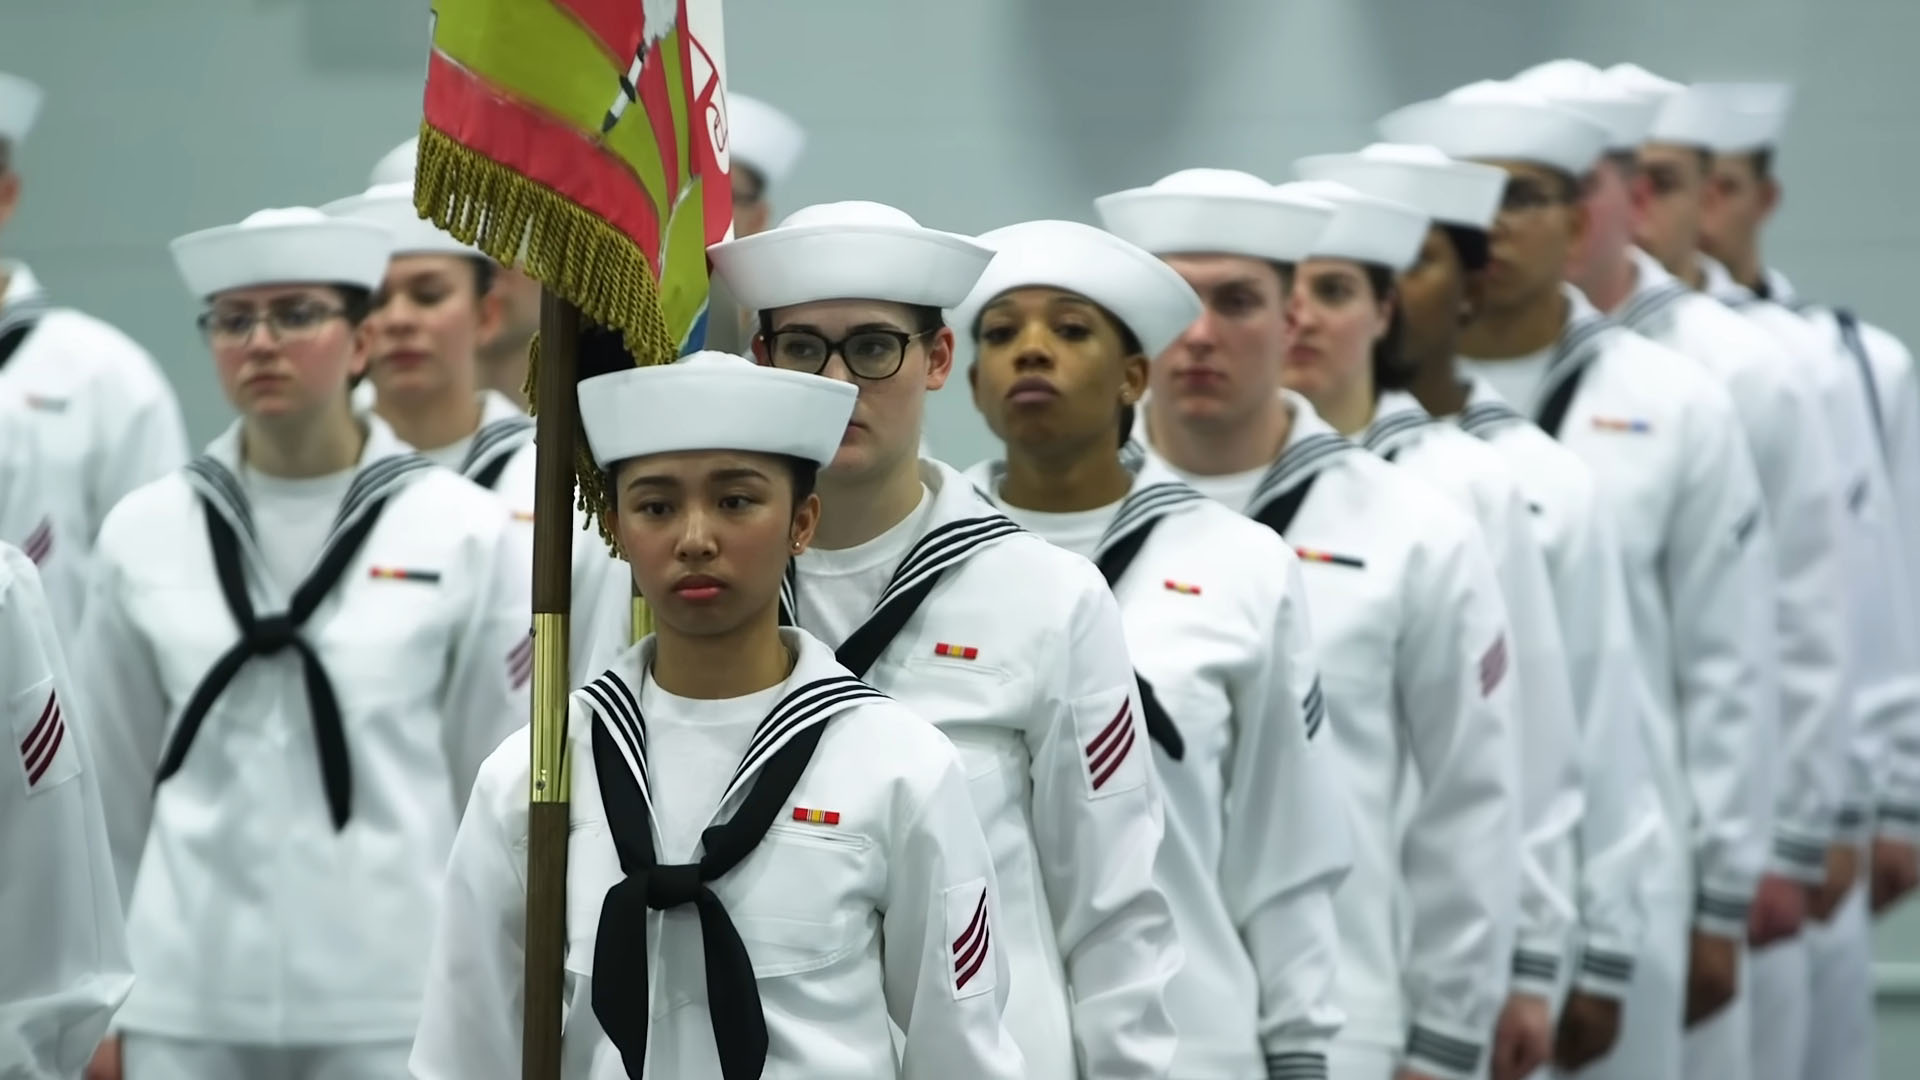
(170, 115)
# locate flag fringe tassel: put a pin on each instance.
(567, 248)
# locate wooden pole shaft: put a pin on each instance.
(551, 777)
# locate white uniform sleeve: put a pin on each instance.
(1622, 813)
(1287, 843)
(945, 970)
(1717, 569)
(127, 712)
(1896, 385)
(1799, 474)
(471, 1016)
(1551, 797)
(1460, 850)
(1097, 824)
(66, 968)
(139, 435)
(487, 691)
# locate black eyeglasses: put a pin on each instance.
(283, 323)
(868, 354)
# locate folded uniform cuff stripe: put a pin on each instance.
(1457, 1055)
(1720, 906)
(1799, 852)
(1607, 965)
(1535, 965)
(1298, 1065)
(1900, 813)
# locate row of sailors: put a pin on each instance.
(1573, 717)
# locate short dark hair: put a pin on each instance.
(1762, 160)
(805, 474)
(924, 318)
(1473, 246)
(356, 303)
(6, 155)
(1391, 369)
(1626, 161)
(485, 271)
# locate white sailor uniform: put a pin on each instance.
(66, 967)
(1399, 581)
(1672, 466)
(1257, 816)
(312, 746)
(1478, 482)
(864, 893)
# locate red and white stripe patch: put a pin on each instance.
(1110, 748)
(520, 663)
(970, 932)
(1493, 665)
(41, 743)
(39, 543)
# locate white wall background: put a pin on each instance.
(170, 115)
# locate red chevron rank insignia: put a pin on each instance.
(970, 930)
(39, 543)
(41, 734)
(1109, 749)
(520, 662)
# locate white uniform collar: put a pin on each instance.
(1398, 420)
(960, 521)
(386, 464)
(24, 300)
(1312, 445)
(22, 286)
(817, 689)
(1157, 491)
(1485, 412)
(1779, 289)
(1655, 292)
(1720, 284)
(504, 429)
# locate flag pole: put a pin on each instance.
(551, 777)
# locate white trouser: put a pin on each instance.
(1778, 1013)
(1655, 1005)
(1840, 1031)
(1348, 1060)
(1721, 1047)
(156, 1057)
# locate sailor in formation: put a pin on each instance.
(1410, 632)
(297, 651)
(105, 416)
(1063, 324)
(1012, 646)
(769, 860)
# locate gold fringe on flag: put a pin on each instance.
(567, 248)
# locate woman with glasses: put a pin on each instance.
(1216, 621)
(1011, 646)
(298, 650)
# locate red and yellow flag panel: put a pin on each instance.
(577, 138)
